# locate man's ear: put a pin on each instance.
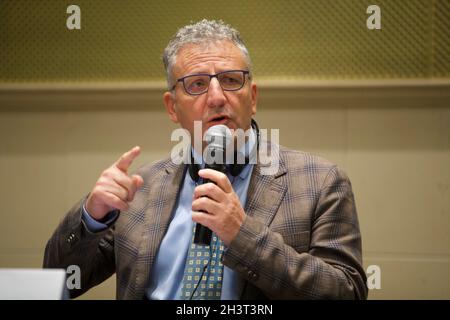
(169, 102)
(254, 101)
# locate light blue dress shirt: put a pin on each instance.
(167, 274)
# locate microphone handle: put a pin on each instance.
(203, 234)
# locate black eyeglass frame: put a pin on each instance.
(245, 72)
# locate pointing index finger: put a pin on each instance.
(127, 159)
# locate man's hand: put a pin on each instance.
(114, 189)
(223, 211)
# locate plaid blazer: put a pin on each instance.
(300, 238)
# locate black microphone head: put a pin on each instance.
(218, 138)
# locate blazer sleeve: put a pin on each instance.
(330, 268)
(73, 244)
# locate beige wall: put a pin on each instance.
(393, 140)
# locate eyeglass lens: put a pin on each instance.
(233, 80)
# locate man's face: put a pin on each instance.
(232, 108)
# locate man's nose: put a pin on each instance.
(216, 96)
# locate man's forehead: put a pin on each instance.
(198, 55)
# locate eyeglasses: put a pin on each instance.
(196, 84)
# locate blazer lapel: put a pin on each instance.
(266, 191)
(157, 219)
(265, 194)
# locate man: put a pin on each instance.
(293, 234)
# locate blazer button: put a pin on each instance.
(253, 276)
(71, 238)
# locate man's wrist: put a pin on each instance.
(95, 225)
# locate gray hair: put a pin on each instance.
(204, 31)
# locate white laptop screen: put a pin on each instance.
(32, 284)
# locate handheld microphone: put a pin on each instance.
(218, 137)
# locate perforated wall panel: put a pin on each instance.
(320, 39)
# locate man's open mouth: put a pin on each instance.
(218, 120)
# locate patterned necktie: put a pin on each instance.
(203, 271)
